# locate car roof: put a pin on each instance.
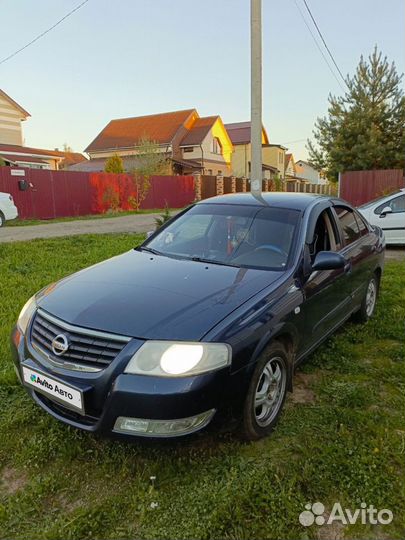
(296, 201)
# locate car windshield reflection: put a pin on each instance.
(232, 235)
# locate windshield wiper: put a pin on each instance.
(150, 250)
(210, 261)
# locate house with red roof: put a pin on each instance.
(189, 142)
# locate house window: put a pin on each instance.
(209, 172)
(188, 149)
(216, 146)
(219, 172)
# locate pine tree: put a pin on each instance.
(114, 164)
(364, 129)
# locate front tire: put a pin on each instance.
(367, 307)
(2, 220)
(266, 394)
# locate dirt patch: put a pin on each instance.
(395, 253)
(302, 392)
(12, 480)
(334, 531)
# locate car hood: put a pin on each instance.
(153, 297)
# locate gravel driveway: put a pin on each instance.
(134, 223)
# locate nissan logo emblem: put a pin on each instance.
(60, 344)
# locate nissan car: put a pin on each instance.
(204, 323)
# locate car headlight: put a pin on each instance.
(26, 314)
(177, 358)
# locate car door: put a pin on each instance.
(392, 223)
(327, 293)
(357, 249)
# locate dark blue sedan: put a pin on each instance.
(205, 322)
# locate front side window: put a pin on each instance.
(396, 204)
(233, 235)
(348, 223)
(325, 236)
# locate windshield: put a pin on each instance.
(234, 235)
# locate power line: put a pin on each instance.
(318, 46)
(323, 40)
(296, 141)
(44, 32)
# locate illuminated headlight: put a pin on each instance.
(177, 358)
(26, 314)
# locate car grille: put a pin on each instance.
(88, 350)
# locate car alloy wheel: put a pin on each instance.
(269, 392)
(371, 297)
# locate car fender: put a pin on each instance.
(286, 333)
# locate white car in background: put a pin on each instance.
(388, 212)
(8, 209)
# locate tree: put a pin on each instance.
(150, 160)
(364, 129)
(114, 164)
(163, 218)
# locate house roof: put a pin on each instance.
(14, 103)
(7, 157)
(71, 158)
(26, 151)
(127, 132)
(239, 133)
(89, 165)
(192, 163)
(199, 131)
(306, 163)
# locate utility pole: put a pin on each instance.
(256, 96)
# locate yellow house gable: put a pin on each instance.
(219, 131)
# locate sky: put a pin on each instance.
(122, 58)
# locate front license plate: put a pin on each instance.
(53, 389)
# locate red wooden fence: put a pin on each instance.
(66, 193)
(359, 187)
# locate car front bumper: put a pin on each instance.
(121, 404)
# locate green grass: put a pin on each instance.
(24, 222)
(344, 442)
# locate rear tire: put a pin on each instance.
(266, 395)
(2, 220)
(367, 307)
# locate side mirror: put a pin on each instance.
(385, 211)
(328, 260)
(149, 234)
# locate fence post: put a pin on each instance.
(244, 184)
(197, 186)
(220, 184)
(233, 184)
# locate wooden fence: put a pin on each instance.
(359, 187)
(43, 194)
